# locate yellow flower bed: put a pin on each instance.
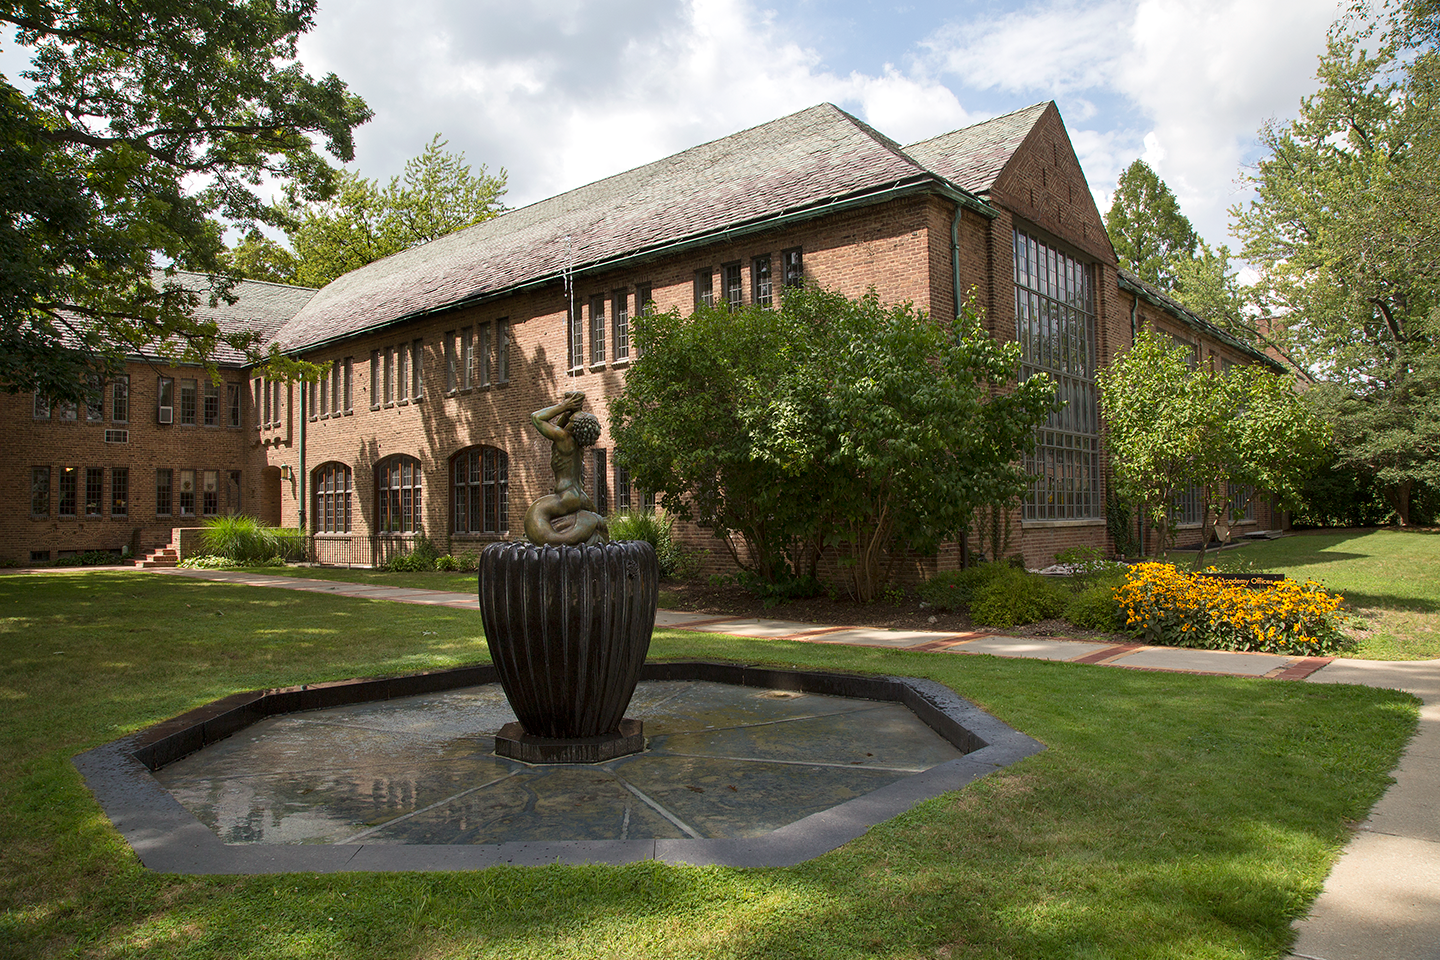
(1166, 606)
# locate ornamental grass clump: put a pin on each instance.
(1165, 606)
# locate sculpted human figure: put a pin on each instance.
(567, 516)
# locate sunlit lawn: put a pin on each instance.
(1390, 580)
(1172, 816)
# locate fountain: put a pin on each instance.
(568, 614)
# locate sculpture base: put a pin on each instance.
(512, 741)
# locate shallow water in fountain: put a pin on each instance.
(721, 761)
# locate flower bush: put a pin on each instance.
(1166, 606)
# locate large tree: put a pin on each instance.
(139, 131)
(1172, 427)
(1345, 231)
(1145, 224)
(828, 422)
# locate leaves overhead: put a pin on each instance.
(147, 127)
(1145, 224)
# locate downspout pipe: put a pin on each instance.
(305, 388)
(955, 270)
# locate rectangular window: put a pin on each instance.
(644, 301)
(760, 280)
(1055, 325)
(452, 368)
(120, 399)
(417, 370)
(187, 402)
(705, 287)
(261, 407)
(620, 323)
(210, 493)
(94, 491)
(622, 489)
(374, 379)
(794, 267)
(1188, 507)
(320, 398)
(69, 482)
(335, 388)
(165, 402)
(210, 408)
(67, 410)
(349, 384)
(467, 355)
(119, 491)
(734, 285)
(602, 482)
(39, 491)
(389, 375)
(402, 373)
(502, 351)
(95, 403)
(232, 404)
(42, 406)
(597, 329)
(187, 493)
(232, 492)
(574, 338)
(280, 390)
(483, 354)
(164, 491)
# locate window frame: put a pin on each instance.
(403, 513)
(732, 284)
(762, 287)
(598, 332)
(620, 325)
(333, 485)
(40, 487)
(119, 491)
(480, 491)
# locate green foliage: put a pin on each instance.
(785, 587)
(464, 563)
(90, 558)
(422, 556)
(257, 257)
(1121, 523)
(147, 127)
(1145, 224)
(1095, 608)
(1173, 427)
(208, 562)
(676, 563)
(954, 589)
(827, 422)
(1015, 597)
(245, 541)
(364, 222)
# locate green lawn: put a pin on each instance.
(1390, 580)
(1172, 816)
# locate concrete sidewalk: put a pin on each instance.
(1382, 900)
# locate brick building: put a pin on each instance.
(438, 354)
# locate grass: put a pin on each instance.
(1171, 817)
(1390, 580)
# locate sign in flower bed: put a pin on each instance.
(1166, 606)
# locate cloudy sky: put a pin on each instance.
(564, 92)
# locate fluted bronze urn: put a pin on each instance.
(568, 614)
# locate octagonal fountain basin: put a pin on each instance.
(744, 766)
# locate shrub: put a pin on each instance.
(675, 563)
(954, 589)
(1015, 597)
(421, 557)
(787, 586)
(248, 543)
(1163, 605)
(1095, 608)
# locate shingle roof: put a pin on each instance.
(802, 161)
(1190, 318)
(973, 157)
(262, 307)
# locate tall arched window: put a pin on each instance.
(397, 495)
(480, 491)
(332, 498)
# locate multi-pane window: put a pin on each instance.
(705, 287)
(389, 375)
(760, 280)
(397, 484)
(187, 402)
(187, 493)
(374, 379)
(483, 354)
(622, 489)
(119, 491)
(417, 369)
(620, 322)
(332, 498)
(94, 491)
(232, 492)
(1188, 507)
(349, 385)
(467, 358)
(1241, 502)
(39, 491)
(575, 338)
(1055, 325)
(210, 493)
(502, 351)
(95, 403)
(794, 267)
(480, 491)
(597, 329)
(232, 404)
(452, 368)
(69, 482)
(66, 410)
(335, 374)
(402, 385)
(210, 408)
(120, 399)
(164, 491)
(42, 406)
(602, 482)
(278, 412)
(262, 405)
(734, 285)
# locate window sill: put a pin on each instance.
(620, 362)
(1052, 524)
(597, 365)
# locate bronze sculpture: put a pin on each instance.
(566, 517)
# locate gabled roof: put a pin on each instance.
(1157, 297)
(807, 161)
(973, 157)
(261, 307)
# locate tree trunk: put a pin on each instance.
(1399, 497)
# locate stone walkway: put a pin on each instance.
(1382, 899)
